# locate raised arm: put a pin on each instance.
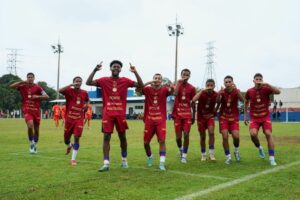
(197, 96)
(90, 80)
(138, 78)
(63, 89)
(275, 89)
(246, 104)
(17, 84)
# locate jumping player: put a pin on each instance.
(182, 114)
(76, 104)
(114, 91)
(31, 94)
(259, 99)
(88, 115)
(56, 114)
(206, 117)
(155, 117)
(229, 116)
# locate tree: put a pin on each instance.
(45, 105)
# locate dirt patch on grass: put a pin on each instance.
(287, 139)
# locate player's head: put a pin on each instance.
(30, 77)
(115, 67)
(157, 78)
(228, 81)
(258, 79)
(77, 81)
(185, 74)
(210, 84)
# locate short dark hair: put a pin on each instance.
(185, 70)
(116, 62)
(228, 76)
(210, 81)
(76, 77)
(157, 74)
(258, 75)
(30, 73)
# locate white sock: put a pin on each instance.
(203, 154)
(228, 156)
(236, 149)
(124, 159)
(162, 159)
(74, 154)
(184, 155)
(260, 147)
(106, 162)
(211, 151)
(271, 158)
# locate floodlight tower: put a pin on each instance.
(175, 30)
(12, 60)
(57, 49)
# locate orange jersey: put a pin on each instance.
(56, 110)
(89, 110)
(63, 111)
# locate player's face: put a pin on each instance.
(210, 86)
(77, 82)
(258, 80)
(185, 75)
(228, 82)
(30, 79)
(157, 80)
(115, 69)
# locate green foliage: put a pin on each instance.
(51, 93)
(9, 99)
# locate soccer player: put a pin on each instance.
(182, 114)
(88, 115)
(76, 104)
(206, 112)
(114, 91)
(63, 114)
(56, 114)
(31, 94)
(228, 98)
(155, 115)
(259, 99)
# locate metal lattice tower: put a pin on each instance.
(210, 72)
(12, 60)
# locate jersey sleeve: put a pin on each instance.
(129, 82)
(247, 95)
(66, 93)
(100, 82)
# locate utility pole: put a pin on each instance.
(57, 49)
(210, 63)
(12, 60)
(175, 30)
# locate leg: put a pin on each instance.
(211, 140)
(106, 148)
(123, 145)
(203, 145)
(75, 150)
(255, 140)
(186, 141)
(236, 144)
(162, 154)
(270, 141)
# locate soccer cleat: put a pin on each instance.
(261, 153)
(203, 158)
(180, 155)
(228, 161)
(104, 168)
(237, 156)
(212, 157)
(162, 167)
(34, 150)
(273, 163)
(31, 149)
(73, 162)
(68, 150)
(149, 161)
(183, 160)
(124, 164)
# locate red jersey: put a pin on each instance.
(75, 102)
(155, 103)
(30, 105)
(63, 111)
(114, 94)
(229, 105)
(206, 105)
(259, 101)
(56, 110)
(182, 103)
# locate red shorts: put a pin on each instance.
(88, 116)
(56, 117)
(203, 124)
(229, 125)
(152, 128)
(182, 125)
(36, 118)
(265, 123)
(108, 123)
(73, 127)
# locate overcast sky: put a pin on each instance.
(250, 36)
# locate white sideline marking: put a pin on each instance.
(134, 167)
(236, 181)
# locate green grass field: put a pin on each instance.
(48, 175)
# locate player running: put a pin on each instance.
(155, 117)
(228, 98)
(206, 117)
(88, 115)
(182, 114)
(76, 104)
(114, 91)
(56, 114)
(31, 94)
(259, 99)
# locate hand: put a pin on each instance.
(132, 68)
(221, 90)
(99, 66)
(35, 96)
(246, 122)
(233, 86)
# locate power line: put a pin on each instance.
(210, 72)
(12, 59)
